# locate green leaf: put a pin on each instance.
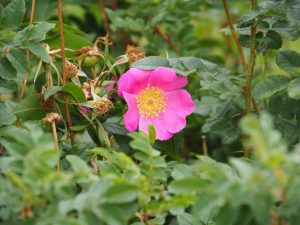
(272, 40)
(51, 91)
(39, 51)
(114, 128)
(102, 135)
(121, 193)
(17, 60)
(289, 61)
(77, 163)
(7, 87)
(33, 33)
(13, 13)
(29, 108)
(6, 70)
(75, 91)
(74, 38)
(6, 118)
(294, 88)
(267, 87)
(185, 186)
(151, 62)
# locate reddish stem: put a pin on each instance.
(104, 15)
(63, 59)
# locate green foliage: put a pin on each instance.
(110, 176)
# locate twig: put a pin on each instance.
(251, 62)
(248, 91)
(53, 125)
(26, 75)
(234, 35)
(166, 38)
(63, 59)
(204, 145)
(104, 16)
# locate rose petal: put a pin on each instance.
(172, 121)
(161, 133)
(133, 81)
(166, 79)
(131, 117)
(181, 102)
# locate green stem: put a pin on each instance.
(251, 62)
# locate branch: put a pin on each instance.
(249, 73)
(166, 38)
(104, 16)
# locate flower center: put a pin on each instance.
(151, 102)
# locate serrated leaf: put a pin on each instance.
(185, 186)
(7, 87)
(151, 62)
(77, 163)
(115, 128)
(51, 91)
(13, 13)
(74, 38)
(7, 72)
(267, 87)
(75, 91)
(29, 108)
(6, 118)
(272, 40)
(294, 88)
(38, 50)
(289, 61)
(121, 193)
(17, 60)
(33, 33)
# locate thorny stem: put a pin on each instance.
(104, 15)
(63, 59)
(235, 37)
(249, 72)
(166, 38)
(26, 75)
(56, 143)
(204, 145)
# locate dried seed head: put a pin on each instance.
(134, 53)
(102, 106)
(71, 69)
(52, 117)
(83, 50)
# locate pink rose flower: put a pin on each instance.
(84, 109)
(111, 86)
(155, 97)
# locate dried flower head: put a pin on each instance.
(102, 106)
(134, 53)
(52, 117)
(71, 69)
(83, 51)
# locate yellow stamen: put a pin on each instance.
(151, 102)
